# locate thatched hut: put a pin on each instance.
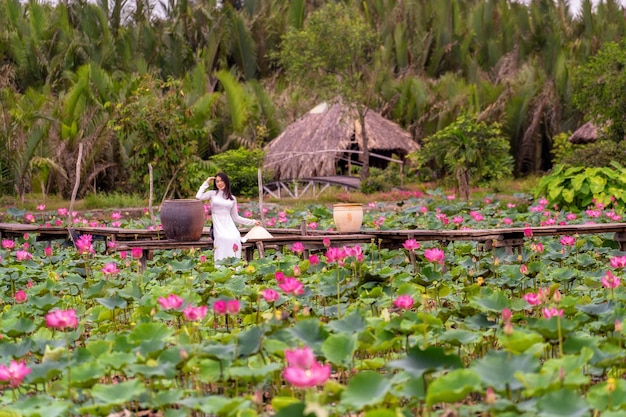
(327, 139)
(587, 133)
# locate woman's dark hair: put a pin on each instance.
(227, 194)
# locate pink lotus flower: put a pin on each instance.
(355, 252)
(411, 244)
(532, 299)
(271, 296)
(23, 255)
(84, 244)
(14, 374)
(297, 247)
(41, 207)
(457, 219)
(568, 241)
(29, 218)
(335, 255)
(20, 296)
(618, 261)
(62, 319)
(116, 224)
(123, 254)
(552, 312)
(570, 216)
(303, 371)
(404, 302)
(528, 232)
(110, 269)
(48, 251)
(202, 258)
(136, 253)
(171, 302)
(116, 215)
(62, 212)
(219, 307)
(192, 313)
(235, 247)
(507, 221)
(8, 244)
(312, 225)
(610, 281)
(523, 269)
(326, 242)
(233, 306)
(296, 271)
(435, 255)
(314, 259)
(537, 247)
(300, 357)
(291, 285)
(506, 315)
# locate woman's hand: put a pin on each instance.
(258, 223)
(208, 180)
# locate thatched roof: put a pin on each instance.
(313, 144)
(585, 134)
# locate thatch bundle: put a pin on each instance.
(313, 145)
(585, 134)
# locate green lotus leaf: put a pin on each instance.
(497, 369)
(418, 361)
(351, 323)
(453, 386)
(563, 403)
(339, 348)
(367, 388)
(118, 394)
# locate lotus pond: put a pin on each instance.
(428, 330)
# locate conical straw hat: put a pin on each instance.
(257, 232)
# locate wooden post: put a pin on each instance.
(260, 185)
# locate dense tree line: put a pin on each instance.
(168, 85)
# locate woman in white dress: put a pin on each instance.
(226, 236)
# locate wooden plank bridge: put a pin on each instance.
(311, 187)
(510, 239)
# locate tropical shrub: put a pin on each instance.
(578, 187)
(242, 167)
(469, 149)
(380, 180)
(595, 154)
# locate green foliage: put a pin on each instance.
(241, 165)
(331, 53)
(600, 88)
(112, 200)
(467, 149)
(596, 154)
(380, 180)
(577, 187)
(157, 125)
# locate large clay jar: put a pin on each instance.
(182, 219)
(348, 217)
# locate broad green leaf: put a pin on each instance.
(310, 332)
(497, 369)
(433, 358)
(563, 403)
(249, 341)
(365, 389)
(453, 386)
(339, 348)
(118, 394)
(352, 323)
(520, 341)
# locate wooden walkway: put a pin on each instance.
(311, 187)
(150, 240)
